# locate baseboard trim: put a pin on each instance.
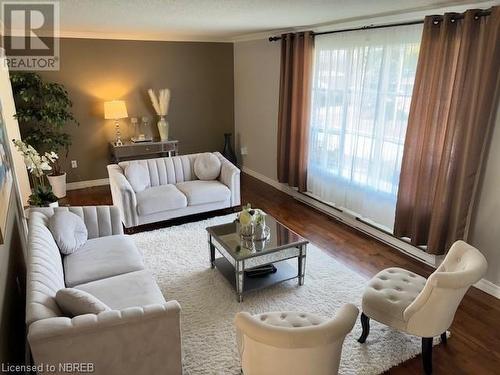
(488, 287)
(432, 260)
(86, 184)
(402, 246)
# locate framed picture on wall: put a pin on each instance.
(5, 176)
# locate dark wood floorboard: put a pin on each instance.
(474, 347)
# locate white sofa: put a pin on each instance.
(172, 190)
(140, 335)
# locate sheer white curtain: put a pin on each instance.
(361, 94)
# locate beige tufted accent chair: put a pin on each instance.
(422, 307)
(281, 343)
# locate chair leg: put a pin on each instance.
(365, 324)
(427, 354)
(444, 339)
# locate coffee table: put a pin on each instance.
(238, 256)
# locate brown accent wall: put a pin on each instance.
(199, 75)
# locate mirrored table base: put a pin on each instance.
(234, 270)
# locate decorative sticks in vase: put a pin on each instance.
(160, 104)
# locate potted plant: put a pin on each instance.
(37, 164)
(42, 110)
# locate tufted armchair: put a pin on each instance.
(281, 343)
(422, 307)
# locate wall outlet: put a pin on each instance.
(74, 164)
(244, 151)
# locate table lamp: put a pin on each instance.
(115, 110)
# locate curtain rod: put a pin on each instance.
(480, 13)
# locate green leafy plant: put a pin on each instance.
(43, 109)
(42, 196)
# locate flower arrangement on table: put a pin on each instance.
(161, 103)
(37, 165)
(252, 224)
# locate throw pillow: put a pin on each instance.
(69, 231)
(73, 302)
(207, 166)
(138, 176)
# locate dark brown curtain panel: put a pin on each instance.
(452, 112)
(297, 52)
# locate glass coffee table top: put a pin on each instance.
(280, 237)
(242, 260)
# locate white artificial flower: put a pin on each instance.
(44, 166)
(35, 163)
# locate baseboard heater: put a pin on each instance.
(369, 229)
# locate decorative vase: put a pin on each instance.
(247, 231)
(146, 133)
(58, 184)
(228, 151)
(261, 232)
(163, 128)
(259, 245)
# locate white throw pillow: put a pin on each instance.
(138, 176)
(73, 302)
(69, 231)
(207, 166)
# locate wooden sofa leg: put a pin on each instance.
(427, 354)
(365, 324)
(444, 339)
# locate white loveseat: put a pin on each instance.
(171, 189)
(139, 335)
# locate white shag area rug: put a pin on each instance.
(179, 259)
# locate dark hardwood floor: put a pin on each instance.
(474, 346)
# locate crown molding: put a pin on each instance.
(143, 37)
(411, 14)
(407, 15)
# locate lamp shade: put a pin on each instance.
(115, 109)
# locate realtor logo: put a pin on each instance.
(30, 35)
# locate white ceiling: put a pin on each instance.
(220, 20)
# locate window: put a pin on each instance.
(361, 93)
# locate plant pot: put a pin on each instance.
(51, 204)
(58, 184)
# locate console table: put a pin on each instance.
(140, 150)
